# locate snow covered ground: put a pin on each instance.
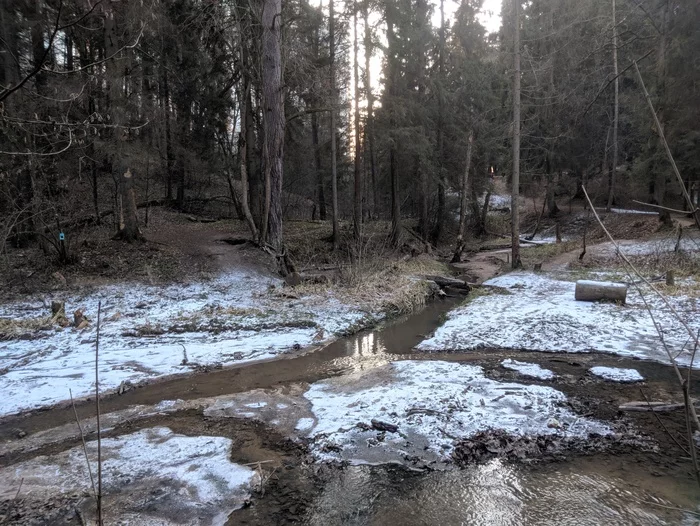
(649, 247)
(629, 211)
(147, 331)
(532, 370)
(151, 477)
(430, 402)
(616, 374)
(538, 312)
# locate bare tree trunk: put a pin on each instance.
(334, 167)
(243, 153)
(464, 182)
(320, 184)
(129, 229)
(442, 178)
(515, 191)
(395, 235)
(660, 178)
(273, 121)
(613, 168)
(357, 204)
(165, 101)
(369, 127)
(423, 226)
(318, 165)
(550, 197)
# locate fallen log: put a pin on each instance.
(656, 407)
(443, 282)
(384, 426)
(201, 219)
(600, 290)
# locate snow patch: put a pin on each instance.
(532, 370)
(616, 374)
(432, 403)
(153, 331)
(629, 211)
(538, 312)
(153, 476)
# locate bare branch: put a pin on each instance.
(98, 62)
(662, 136)
(39, 66)
(601, 90)
(47, 154)
(666, 208)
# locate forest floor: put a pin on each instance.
(225, 390)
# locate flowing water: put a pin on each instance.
(580, 492)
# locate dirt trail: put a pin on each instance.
(207, 246)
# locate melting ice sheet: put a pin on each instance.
(538, 313)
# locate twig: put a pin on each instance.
(689, 426)
(658, 418)
(97, 406)
(82, 437)
(37, 68)
(12, 504)
(601, 90)
(665, 207)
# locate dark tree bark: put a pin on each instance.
(334, 167)
(616, 113)
(243, 155)
(320, 183)
(463, 187)
(392, 60)
(442, 181)
(357, 202)
(273, 118)
(369, 126)
(661, 171)
(129, 221)
(515, 190)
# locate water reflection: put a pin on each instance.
(370, 349)
(501, 494)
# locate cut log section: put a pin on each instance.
(600, 290)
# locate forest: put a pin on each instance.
(358, 262)
(357, 111)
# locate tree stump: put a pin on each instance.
(600, 290)
(670, 278)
